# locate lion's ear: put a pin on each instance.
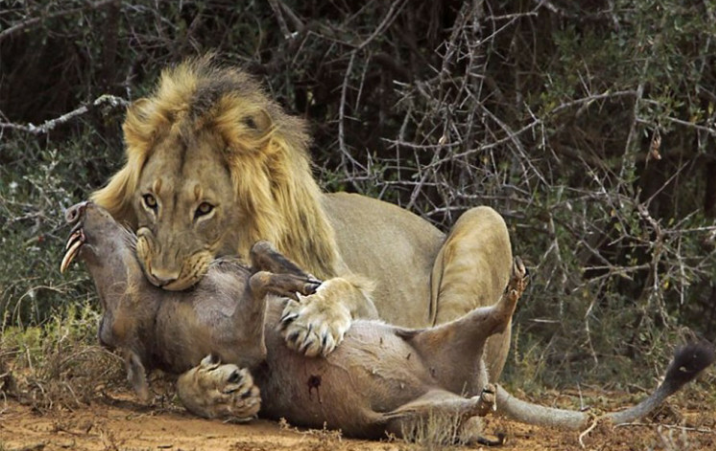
(248, 134)
(259, 122)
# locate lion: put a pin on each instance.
(383, 379)
(214, 165)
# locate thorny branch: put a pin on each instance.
(47, 126)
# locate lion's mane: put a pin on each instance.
(270, 170)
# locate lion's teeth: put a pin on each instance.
(73, 246)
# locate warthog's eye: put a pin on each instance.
(150, 202)
(203, 209)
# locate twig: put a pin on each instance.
(395, 8)
(297, 23)
(341, 115)
(52, 123)
(709, 130)
(667, 426)
(592, 98)
(586, 432)
(281, 21)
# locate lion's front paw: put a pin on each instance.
(315, 325)
(241, 397)
(215, 390)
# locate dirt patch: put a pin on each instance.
(117, 422)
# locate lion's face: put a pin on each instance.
(214, 165)
(185, 206)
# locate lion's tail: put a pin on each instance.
(687, 363)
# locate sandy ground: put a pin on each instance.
(117, 422)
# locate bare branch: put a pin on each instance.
(47, 126)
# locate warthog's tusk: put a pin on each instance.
(75, 241)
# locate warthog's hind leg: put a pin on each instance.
(454, 351)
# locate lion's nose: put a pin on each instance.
(161, 278)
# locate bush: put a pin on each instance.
(589, 126)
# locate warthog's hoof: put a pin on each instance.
(487, 401)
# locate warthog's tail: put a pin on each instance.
(688, 362)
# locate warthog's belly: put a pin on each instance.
(372, 371)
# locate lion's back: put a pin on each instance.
(391, 246)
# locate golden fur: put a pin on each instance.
(264, 149)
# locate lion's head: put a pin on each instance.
(214, 165)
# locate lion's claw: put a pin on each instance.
(314, 326)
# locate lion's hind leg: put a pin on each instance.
(470, 271)
(440, 416)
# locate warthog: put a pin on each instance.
(381, 379)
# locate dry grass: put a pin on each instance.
(58, 364)
(439, 431)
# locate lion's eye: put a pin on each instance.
(203, 209)
(150, 201)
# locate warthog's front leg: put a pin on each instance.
(216, 390)
(286, 285)
(264, 257)
(136, 374)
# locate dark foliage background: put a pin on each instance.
(588, 125)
